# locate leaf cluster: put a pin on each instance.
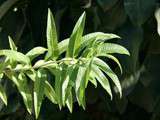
(81, 64)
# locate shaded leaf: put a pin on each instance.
(137, 9)
(3, 95)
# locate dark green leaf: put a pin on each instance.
(3, 95)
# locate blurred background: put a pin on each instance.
(136, 21)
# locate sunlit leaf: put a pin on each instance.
(105, 68)
(69, 102)
(25, 91)
(50, 93)
(52, 40)
(76, 37)
(112, 58)
(12, 44)
(39, 88)
(87, 39)
(16, 56)
(101, 78)
(112, 48)
(36, 52)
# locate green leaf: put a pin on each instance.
(111, 48)
(39, 88)
(76, 37)
(60, 76)
(80, 84)
(35, 52)
(21, 83)
(52, 40)
(62, 46)
(105, 68)
(101, 78)
(87, 39)
(25, 91)
(69, 102)
(12, 44)
(65, 85)
(112, 58)
(45, 64)
(31, 74)
(50, 93)
(16, 56)
(3, 95)
(82, 81)
(92, 79)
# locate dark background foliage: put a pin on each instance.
(134, 20)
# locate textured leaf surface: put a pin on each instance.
(16, 56)
(50, 93)
(36, 52)
(52, 40)
(76, 37)
(39, 88)
(105, 68)
(112, 48)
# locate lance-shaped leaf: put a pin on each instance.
(76, 37)
(39, 88)
(82, 81)
(50, 93)
(3, 95)
(112, 58)
(16, 56)
(21, 83)
(25, 91)
(112, 48)
(12, 44)
(92, 79)
(101, 78)
(87, 39)
(105, 68)
(69, 101)
(80, 84)
(66, 85)
(52, 42)
(60, 76)
(35, 52)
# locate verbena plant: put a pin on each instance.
(72, 73)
